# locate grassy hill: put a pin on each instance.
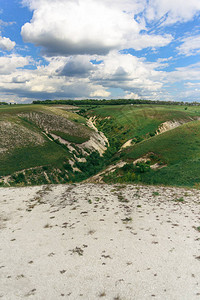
(123, 122)
(170, 156)
(57, 144)
(39, 144)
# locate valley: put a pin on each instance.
(132, 143)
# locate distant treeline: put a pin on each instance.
(112, 102)
(3, 103)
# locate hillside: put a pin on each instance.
(41, 144)
(162, 140)
(153, 144)
(123, 122)
(171, 158)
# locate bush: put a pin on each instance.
(143, 167)
(127, 167)
(19, 178)
(67, 167)
(137, 139)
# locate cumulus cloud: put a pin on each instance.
(87, 27)
(78, 66)
(131, 74)
(131, 96)
(43, 82)
(6, 44)
(10, 63)
(77, 27)
(77, 77)
(66, 27)
(127, 72)
(190, 46)
(80, 41)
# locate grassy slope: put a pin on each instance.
(179, 149)
(128, 121)
(28, 157)
(49, 153)
(71, 138)
(26, 108)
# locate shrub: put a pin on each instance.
(143, 167)
(68, 167)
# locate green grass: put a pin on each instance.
(179, 149)
(34, 159)
(128, 121)
(26, 108)
(174, 145)
(71, 138)
(28, 157)
(155, 194)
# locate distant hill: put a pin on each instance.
(153, 144)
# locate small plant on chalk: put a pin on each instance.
(47, 226)
(122, 199)
(155, 194)
(198, 228)
(127, 219)
(102, 294)
(179, 200)
(77, 250)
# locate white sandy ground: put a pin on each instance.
(74, 242)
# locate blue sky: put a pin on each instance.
(61, 49)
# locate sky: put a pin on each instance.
(99, 49)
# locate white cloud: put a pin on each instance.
(172, 11)
(100, 93)
(72, 33)
(131, 96)
(144, 41)
(44, 81)
(166, 59)
(77, 27)
(191, 72)
(6, 44)
(190, 46)
(192, 84)
(3, 23)
(127, 72)
(66, 28)
(9, 63)
(77, 66)
(135, 77)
